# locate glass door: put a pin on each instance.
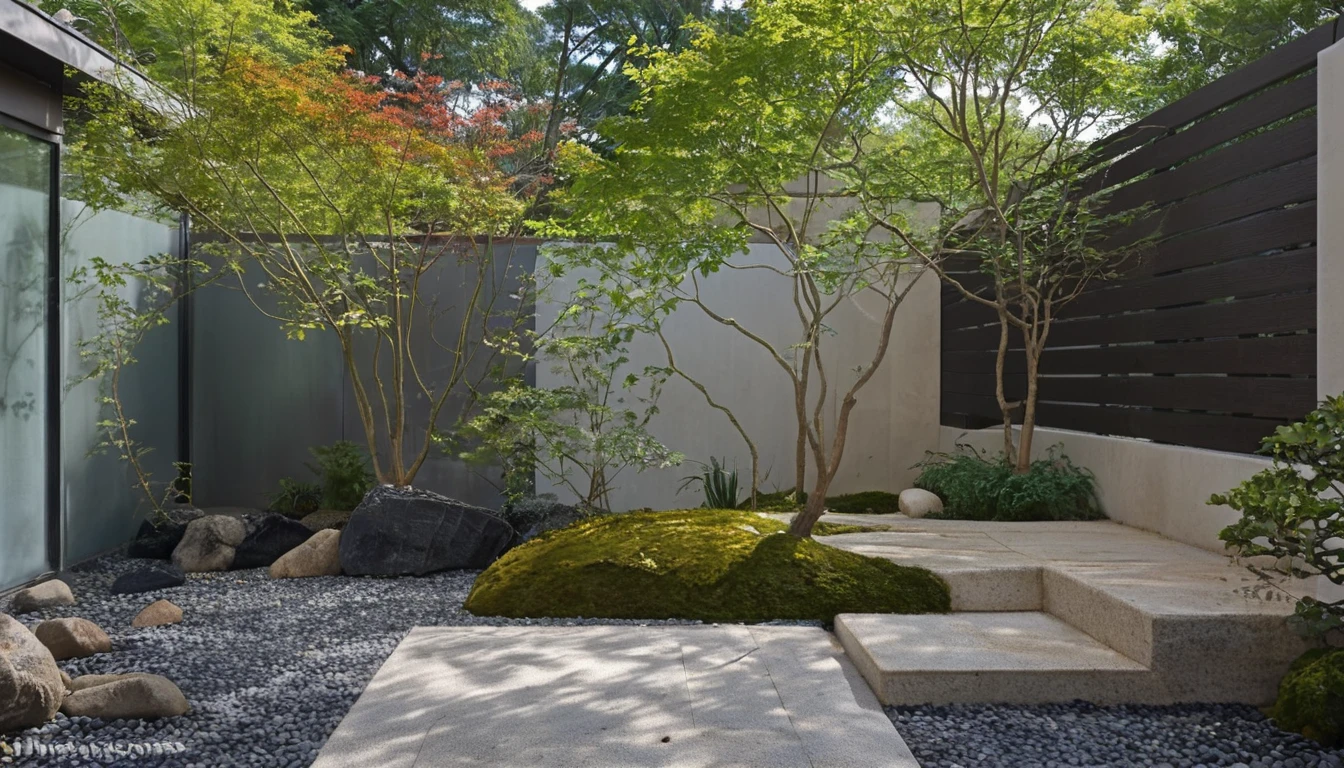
(26, 186)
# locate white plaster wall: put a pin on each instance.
(1330, 232)
(895, 421)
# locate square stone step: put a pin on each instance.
(1023, 657)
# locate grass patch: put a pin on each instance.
(712, 565)
(861, 503)
(974, 486)
(835, 529)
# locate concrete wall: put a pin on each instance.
(261, 400)
(1330, 233)
(895, 421)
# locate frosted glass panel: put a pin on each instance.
(101, 506)
(25, 189)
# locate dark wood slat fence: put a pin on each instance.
(1209, 339)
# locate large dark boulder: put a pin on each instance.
(533, 516)
(404, 531)
(156, 540)
(268, 539)
(165, 576)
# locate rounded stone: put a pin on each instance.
(320, 555)
(158, 613)
(31, 688)
(209, 544)
(917, 502)
(127, 697)
(72, 638)
(48, 594)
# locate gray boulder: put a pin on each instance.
(157, 539)
(209, 544)
(48, 594)
(157, 576)
(30, 682)
(404, 531)
(536, 515)
(267, 539)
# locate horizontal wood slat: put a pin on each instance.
(1269, 355)
(1270, 314)
(1241, 434)
(1252, 114)
(1272, 397)
(1207, 336)
(1284, 62)
(1265, 151)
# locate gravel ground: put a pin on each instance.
(270, 667)
(1080, 734)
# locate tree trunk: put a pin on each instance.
(806, 520)
(1033, 354)
(999, 366)
(800, 450)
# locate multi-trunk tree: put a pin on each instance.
(335, 200)
(1003, 97)
(758, 136)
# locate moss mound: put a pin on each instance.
(861, 503)
(835, 529)
(1311, 697)
(712, 565)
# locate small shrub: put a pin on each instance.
(1295, 517)
(976, 487)
(863, 502)
(719, 485)
(344, 472)
(296, 499)
(1311, 697)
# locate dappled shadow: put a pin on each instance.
(606, 696)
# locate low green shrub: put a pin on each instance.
(1297, 516)
(711, 565)
(974, 486)
(344, 472)
(863, 502)
(1311, 697)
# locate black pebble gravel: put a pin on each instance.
(1081, 734)
(269, 667)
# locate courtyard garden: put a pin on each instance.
(812, 382)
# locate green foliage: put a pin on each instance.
(712, 565)
(296, 499)
(719, 485)
(864, 503)
(345, 475)
(975, 487)
(860, 503)
(1206, 39)
(1296, 514)
(1311, 697)
(132, 300)
(835, 529)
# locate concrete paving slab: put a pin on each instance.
(616, 696)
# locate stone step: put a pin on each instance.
(1025, 657)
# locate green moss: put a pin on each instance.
(863, 502)
(835, 529)
(713, 565)
(1311, 697)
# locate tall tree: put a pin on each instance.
(468, 40)
(761, 136)
(1004, 95)
(338, 198)
(589, 44)
(1206, 39)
